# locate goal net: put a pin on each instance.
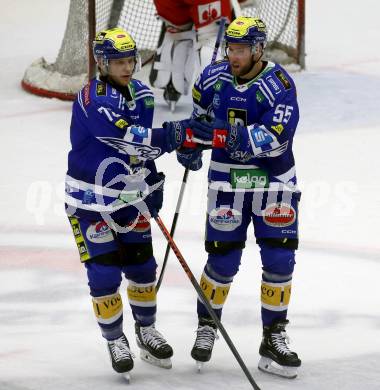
(74, 64)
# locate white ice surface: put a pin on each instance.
(48, 336)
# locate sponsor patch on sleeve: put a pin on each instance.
(284, 81)
(278, 128)
(149, 102)
(121, 123)
(101, 89)
(196, 95)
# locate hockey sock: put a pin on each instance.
(215, 288)
(275, 297)
(108, 310)
(142, 298)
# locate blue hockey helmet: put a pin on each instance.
(246, 30)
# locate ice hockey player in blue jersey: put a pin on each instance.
(112, 189)
(247, 109)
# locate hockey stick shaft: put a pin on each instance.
(204, 300)
(186, 173)
(236, 8)
(218, 41)
(174, 224)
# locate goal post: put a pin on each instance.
(75, 64)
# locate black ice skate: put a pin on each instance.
(121, 356)
(276, 357)
(171, 96)
(204, 342)
(154, 348)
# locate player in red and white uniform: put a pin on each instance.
(186, 43)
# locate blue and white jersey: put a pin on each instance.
(267, 109)
(113, 148)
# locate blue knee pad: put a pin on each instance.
(226, 265)
(143, 272)
(103, 279)
(277, 260)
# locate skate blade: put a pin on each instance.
(147, 357)
(172, 105)
(199, 366)
(271, 367)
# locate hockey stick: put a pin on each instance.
(186, 173)
(204, 300)
(236, 8)
(172, 229)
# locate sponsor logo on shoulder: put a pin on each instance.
(86, 94)
(217, 69)
(101, 89)
(225, 218)
(99, 232)
(196, 94)
(149, 102)
(284, 81)
(274, 85)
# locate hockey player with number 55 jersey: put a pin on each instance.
(247, 109)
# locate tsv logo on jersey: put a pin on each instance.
(260, 137)
(140, 131)
(99, 232)
(144, 152)
(225, 218)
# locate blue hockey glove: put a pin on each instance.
(155, 199)
(176, 133)
(202, 129)
(190, 158)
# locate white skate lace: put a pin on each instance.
(152, 337)
(280, 342)
(120, 350)
(205, 337)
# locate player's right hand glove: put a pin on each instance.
(190, 158)
(175, 133)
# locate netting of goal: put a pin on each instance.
(74, 63)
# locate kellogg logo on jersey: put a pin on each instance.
(99, 232)
(224, 218)
(279, 215)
